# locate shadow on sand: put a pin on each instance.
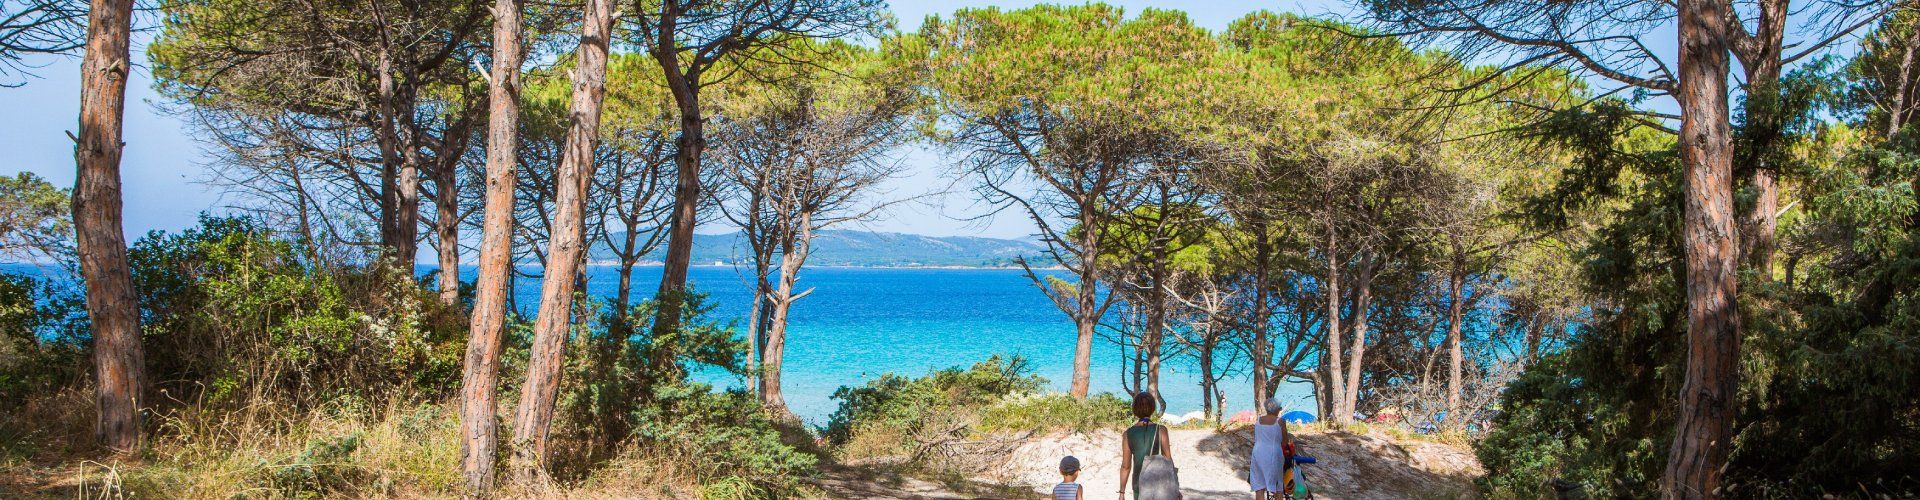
(1350, 466)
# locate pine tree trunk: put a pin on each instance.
(479, 426)
(775, 348)
(1087, 317)
(1703, 433)
(112, 306)
(534, 416)
(1456, 280)
(1336, 381)
(691, 143)
(1362, 309)
(447, 226)
(1156, 327)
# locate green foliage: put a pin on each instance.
(323, 466)
(42, 336)
(903, 404)
(741, 450)
(1027, 412)
(34, 219)
(1827, 401)
(626, 391)
(232, 313)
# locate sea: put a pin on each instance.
(860, 323)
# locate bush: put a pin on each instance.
(231, 313)
(1057, 412)
(956, 422)
(43, 336)
(903, 405)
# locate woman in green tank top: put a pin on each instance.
(1143, 439)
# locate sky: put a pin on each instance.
(164, 168)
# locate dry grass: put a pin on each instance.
(347, 450)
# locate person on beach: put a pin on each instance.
(1266, 472)
(1141, 440)
(1069, 472)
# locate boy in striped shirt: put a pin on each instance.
(1069, 471)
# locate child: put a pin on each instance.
(1069, 471)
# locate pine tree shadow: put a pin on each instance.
(1354, 465)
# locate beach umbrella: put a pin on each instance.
(1298, 417)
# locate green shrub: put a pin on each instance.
(1049, 412)
(903, 405)
(231, 313)
(43, 336)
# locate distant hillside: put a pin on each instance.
(865, 249)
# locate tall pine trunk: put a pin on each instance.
(1456, 280)
(1262, 348)
(479, 427)
(446, 228)
(1087, 317)
(1335, 387)
(1703, 434)
(1362, 309)
(1762, 62)
(534, 417)
(112, 307)
(691, 143)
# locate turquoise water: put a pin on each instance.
(862, 322)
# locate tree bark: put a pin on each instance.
(1903, 86)
(773, 352)
(112, 306)
(1262, 348)
(446, 227)
(479, 426)
(1331, 358)
(535, 414)
(691, 143)
(1456, 280)
(1086, 302)
(1156, 324)
(1362, 305)
(1761, 58)
(1703, 433)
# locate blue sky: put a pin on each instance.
(163, 167)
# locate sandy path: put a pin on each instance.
(1213, 465)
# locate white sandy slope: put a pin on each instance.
(1213, 465)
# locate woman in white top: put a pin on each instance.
(1267, 471)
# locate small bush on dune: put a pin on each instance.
(1057, 412)
(919, 420)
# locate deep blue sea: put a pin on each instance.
(862, 322)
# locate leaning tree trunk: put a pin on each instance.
(118, 359)
(535, 414)
(479, 429)
(686, 158)
(774, 349)
(1703, 434)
